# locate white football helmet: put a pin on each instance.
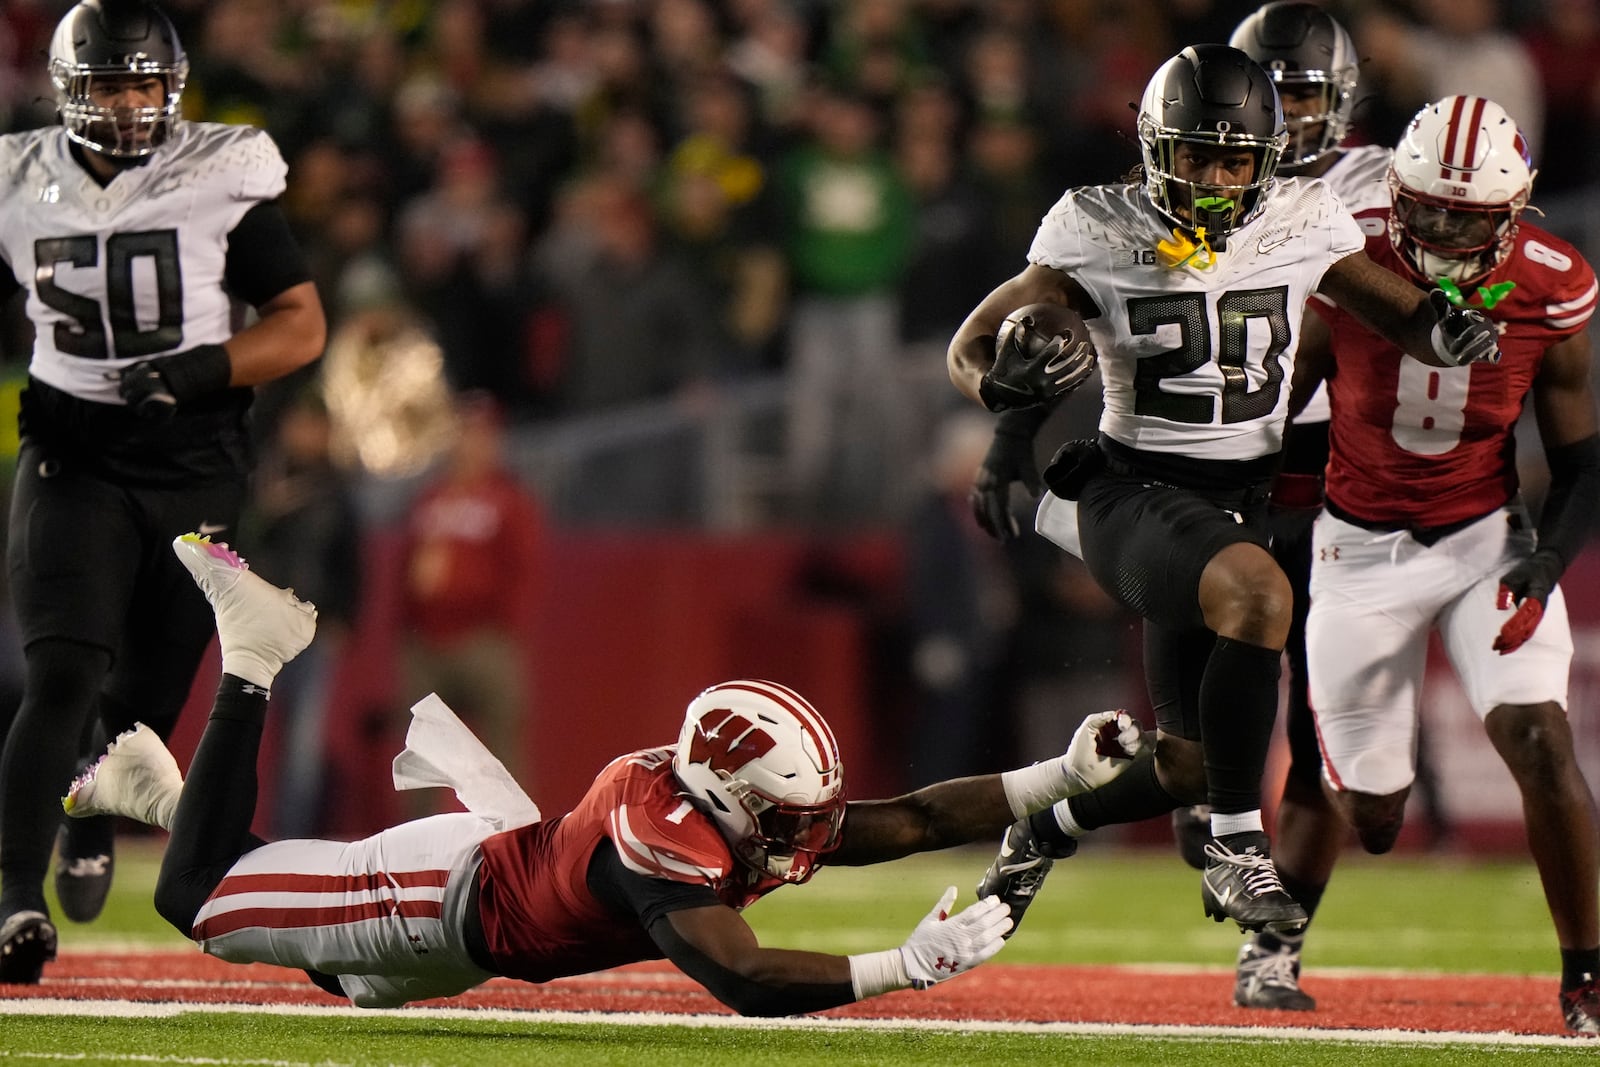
(1461, 178)
(99, 39)
(760, 760)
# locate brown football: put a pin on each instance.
(1036, 325)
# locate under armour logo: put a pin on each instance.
(1326, 554)
(942, 964)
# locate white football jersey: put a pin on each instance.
(133, 270)
(1360, 178)
(1197, 361)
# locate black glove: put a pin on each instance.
(1462, 335)
(1009, 459)
(1021, 379)
(1528, 586)
(155, 388)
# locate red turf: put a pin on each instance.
(1000, 992)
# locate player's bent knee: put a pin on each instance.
(1377, 819)
(179, 898)
(1534, 740)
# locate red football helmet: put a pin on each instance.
(760, 760)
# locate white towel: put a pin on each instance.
(441, 751)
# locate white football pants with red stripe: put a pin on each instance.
(384, 914)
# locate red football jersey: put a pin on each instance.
(539, 919)
(1414, 445)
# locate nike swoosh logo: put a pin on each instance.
(206, 529)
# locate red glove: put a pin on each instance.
(1527, 586)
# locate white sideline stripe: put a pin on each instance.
(1402, 1038)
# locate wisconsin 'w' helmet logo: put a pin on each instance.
(728, 743)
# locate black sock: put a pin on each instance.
(218, 804)
(1132, 796)
(1579, 966)
(1238, 702)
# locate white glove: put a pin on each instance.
(1101, 749)
(944, 945)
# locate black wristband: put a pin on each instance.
(196, 372)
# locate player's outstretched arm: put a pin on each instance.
(971, 351)
(963, 810)
(716, 947)
(1426, 325)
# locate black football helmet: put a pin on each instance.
(100, 38)
(1209, 94)
(1301, 45)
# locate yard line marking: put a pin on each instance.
(1383, 1037)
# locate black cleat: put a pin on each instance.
(1240, 883)
(85, 857)
(27, 943)
(1019, 870)
(1270, 979)
(1581, 1008)
(1191, 832)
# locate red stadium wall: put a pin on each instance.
(632, 627)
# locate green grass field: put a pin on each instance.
(1105, 906)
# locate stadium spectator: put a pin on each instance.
(471, 564)
(143, 239)
(1167, 507)
(657, 860)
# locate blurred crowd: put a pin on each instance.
(582, 221)
(593, 204)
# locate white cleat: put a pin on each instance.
(260, 626)
(136, 778)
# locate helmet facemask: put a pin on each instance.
(1217, 210)
(1442, 238)
(1314, 135)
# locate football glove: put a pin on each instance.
(944, 945)
(155, 388)
(1009, 459)
(1021, 379)
(1462, 335)
(1103, 746)
(1527, 586)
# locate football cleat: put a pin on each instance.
(1240, 883)
(27, 943)
(1191, 832)
(136, 778)
(85, 857)
(1580, 1008)
(1269, 979)
(259, 626)
(1019, 870)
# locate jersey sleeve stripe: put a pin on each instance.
(1570, 321)
(1576, 303)
(641, 858)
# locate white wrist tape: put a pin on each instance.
(874, 973)
(1031, 789)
